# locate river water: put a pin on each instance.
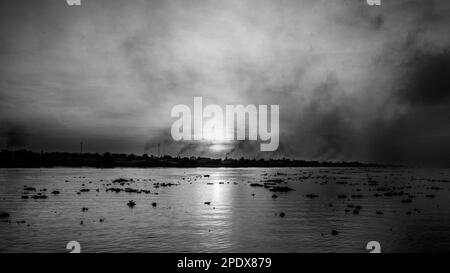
(219, 210)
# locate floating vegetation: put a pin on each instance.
(281, 189)
(4, 215)
(312, 196)
(131, 204)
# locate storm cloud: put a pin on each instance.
(354, 82)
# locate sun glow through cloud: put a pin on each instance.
(220, 147)
(216, 138)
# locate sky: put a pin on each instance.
(353, 81)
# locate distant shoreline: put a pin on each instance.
(29, 159)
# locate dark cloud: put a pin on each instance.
(428, 79)
(14, 135)
(353, 82)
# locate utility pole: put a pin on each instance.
(159, 150)
(81, 147)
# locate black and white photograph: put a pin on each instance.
(225, 126)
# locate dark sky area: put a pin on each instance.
(353, 82)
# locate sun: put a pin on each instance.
(215, 139)
(219, 147)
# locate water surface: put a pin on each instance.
(239, 217)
